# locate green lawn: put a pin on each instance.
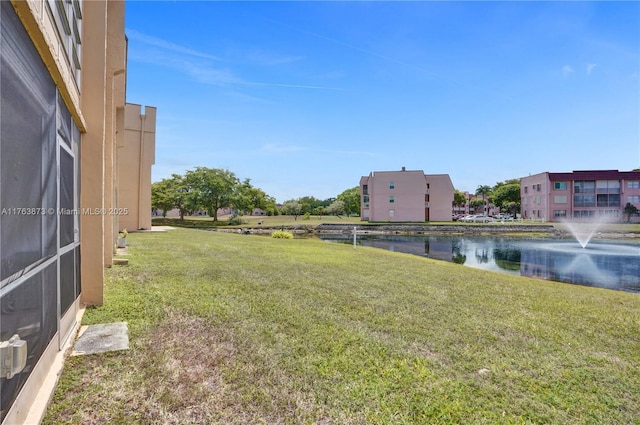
(257, 221)
(239, 329)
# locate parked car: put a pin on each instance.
(467, 218)
(479, 218)
(476, 218)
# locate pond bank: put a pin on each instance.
(506, 229)
(434, 229)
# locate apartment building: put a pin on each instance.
(136, 155)
(405, 196)
(580, 195)
(62, 100)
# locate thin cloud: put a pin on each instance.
(272, 59)
(567, 70)
(367, 52)
(203, 72)
(294, 86)
(210, 75)
(217, 76)
(167, 45)
(590, 68)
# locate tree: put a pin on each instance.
(291, 208)
(507, 197)
(459, 199)
(476, 203)
(509, 181)
(337, 207)
(351, 200)
(171, 193)
(308, 204)
(247, 198)
(485, 191)
(630, 210)
(162, 196)
(212, 188)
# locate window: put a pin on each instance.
(608, 193)
(560, 213)
(633, 185)
(584, 186)
(538, 187)
(583, 213)
(584, 200)
(526, 189)
(560, 185)
(609, 214)
(608, 200)
(560, 199)
(365, 189)
(392, 185)
(634, 199)
(536, 200)
(67, 16)
(392, 213)
(365, 201)
(608, 186)
(392, 199)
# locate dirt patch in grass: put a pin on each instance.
(171, 375)
(182, 381)
(185, 371)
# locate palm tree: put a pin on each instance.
(484, 190)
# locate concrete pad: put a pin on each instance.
(95, 339)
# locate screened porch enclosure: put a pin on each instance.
(39, 198)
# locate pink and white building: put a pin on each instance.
(405, 196)
(580, 195)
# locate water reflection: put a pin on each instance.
(613, 265)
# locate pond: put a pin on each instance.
(605, 264)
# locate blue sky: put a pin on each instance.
(304, 98)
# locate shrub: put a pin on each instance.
(234, 220)
(282, 234)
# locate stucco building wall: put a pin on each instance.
(405, 196)
(136, 155)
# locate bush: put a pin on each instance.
(234, 220)
(282, 234)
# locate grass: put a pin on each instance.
(238, 329)
(253, 221)
(289, 221)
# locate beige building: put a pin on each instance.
(136, 155)
(62, 89)
(405, 196)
